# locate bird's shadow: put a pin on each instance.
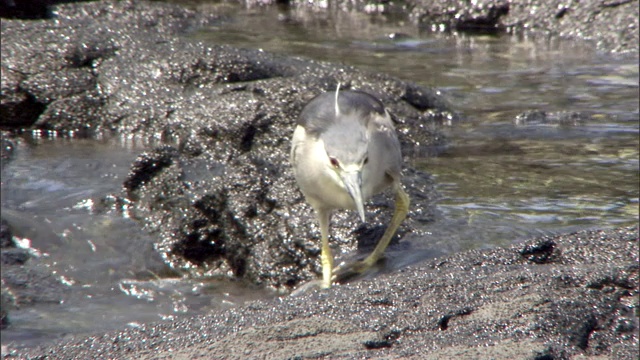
(367, 236)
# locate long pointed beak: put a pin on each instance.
(353, 181)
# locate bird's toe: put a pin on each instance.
(347, 272)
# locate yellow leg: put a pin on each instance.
(326, 258)
(400, 213)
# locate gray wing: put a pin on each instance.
(383, 133)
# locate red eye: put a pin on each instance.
(334, 162)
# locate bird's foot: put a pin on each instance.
(309, 286)
(346, 272)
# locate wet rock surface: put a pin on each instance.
(551, 298)
(609, 25)
(227, 115)
(24, 282)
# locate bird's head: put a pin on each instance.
(340, 122)
(346, 146)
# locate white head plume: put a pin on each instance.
(337, 92)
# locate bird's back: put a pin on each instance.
(320, 113)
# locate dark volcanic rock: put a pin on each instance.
(609, 25)
(6, 235)
(222, 200)
(30, 9)
(221, 195)
(25, 282)
(33, 284)
(501, 304)
(26, 9)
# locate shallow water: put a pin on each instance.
(112, 276)
(499, 180)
